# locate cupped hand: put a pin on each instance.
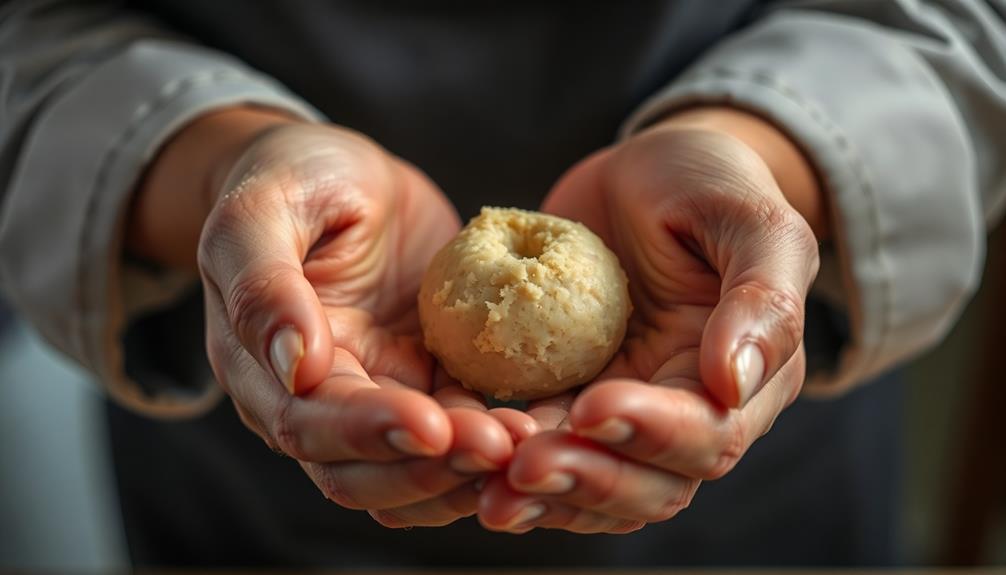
(719, 265)
(311, 260)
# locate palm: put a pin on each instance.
(368, 276)
(673, 290)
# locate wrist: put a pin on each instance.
(791, 168)
(181, 183)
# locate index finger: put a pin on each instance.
(676, 425)
(346, 417)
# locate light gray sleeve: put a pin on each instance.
(88, 93)
(901, 106)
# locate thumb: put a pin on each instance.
(757, 326)
(250, 256)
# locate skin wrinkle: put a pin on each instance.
(331, 486)
(282, 434)
(244, 297)
(859, 359)
(339, 395)
(719, 449)
(782, 309)
(452, 506)
(384, 339)
(733, 446)
(608, 488)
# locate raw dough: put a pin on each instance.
(523, 305)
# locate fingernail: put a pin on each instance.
(612, 430)
(408, 443)
(555, 483)
(285, 353)
(471, 463)
(526, 515)
(749, 369)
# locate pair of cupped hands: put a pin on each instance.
(311, 258)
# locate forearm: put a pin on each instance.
(181, 184)
(791, 168)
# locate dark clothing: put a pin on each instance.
(494, 102)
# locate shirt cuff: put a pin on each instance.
(64, 218)
(894, 160)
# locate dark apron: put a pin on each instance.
(494, 100)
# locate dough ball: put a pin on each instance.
(522, 305)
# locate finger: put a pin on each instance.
(437, 512)
(450, 393)
(577, 520)
(347, 417)
(674, 428)
(501, 508)
(481, 442)
(580, 473)
(778, 393)
(673, 424)
(457, 396)
(251, 257)
(368, 485)
(757, 325)
(519, 424)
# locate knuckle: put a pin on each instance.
(284, 437)
(779, 222)
(723, 464)
(220, 234)
(732, 449)
(787, 307)
(769, 216)
(678, 502)
(246, 295)
(330, 483)
(209, 250)
(789, 228)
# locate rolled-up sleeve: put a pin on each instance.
(85, 110)
(901, 107)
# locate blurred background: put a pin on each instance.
(58, 509)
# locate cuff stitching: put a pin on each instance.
(169, 92)
(857, 167)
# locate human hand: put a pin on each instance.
(719, 265)
(311, 259)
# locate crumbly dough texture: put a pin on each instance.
(523, 305)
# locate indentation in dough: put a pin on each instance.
(523, 305)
